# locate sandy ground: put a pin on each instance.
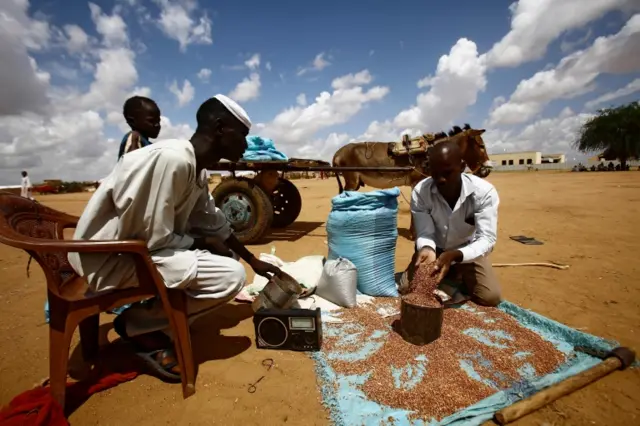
(587, 220)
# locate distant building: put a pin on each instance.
(525, 158)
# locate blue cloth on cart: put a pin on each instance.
(363, 227)
(262, 149)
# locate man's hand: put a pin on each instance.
(443, 264)
(426, 255)
(264, 268)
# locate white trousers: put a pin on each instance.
(218, 280)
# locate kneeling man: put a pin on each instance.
(456, 218)
(160, 194)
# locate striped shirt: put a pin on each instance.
(132, 141)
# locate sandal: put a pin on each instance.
(162, 361)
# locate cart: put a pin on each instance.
(255, 205)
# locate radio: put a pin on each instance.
(291, 329)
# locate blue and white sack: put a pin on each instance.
(363, 227)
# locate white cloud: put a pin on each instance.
(174, 131)
(568, 46)
(630, 88)
(459, 77)
(268, 66)
(296, 125)
(204, 74)
(371, 52)
(253, 62)
(382, 131)
(111, 27)
(536, 23)
(59, 141)
(548, 135)
(574, 75)
(319, 63)
(15, 24)
(23, 86)
(77, 39)
(184, 95)
(247, 89)
(301, 99)
(350, 80)
(114, 76)
(63, 71)
(322, 149)
(178, 22)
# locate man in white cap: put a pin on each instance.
(159, 193)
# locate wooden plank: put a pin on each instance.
(289, 167)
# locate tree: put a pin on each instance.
(615, 132)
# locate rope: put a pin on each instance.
(405, 198)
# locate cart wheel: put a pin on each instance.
(246, 206)
(287, 203)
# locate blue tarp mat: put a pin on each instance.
(349, 405)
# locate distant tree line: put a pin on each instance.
(614, 133)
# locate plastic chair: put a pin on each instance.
(37, 229)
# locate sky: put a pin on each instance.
(312, 76)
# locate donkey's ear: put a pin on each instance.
(480, 131)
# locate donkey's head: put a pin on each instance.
(474, 152)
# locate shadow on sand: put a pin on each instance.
(118, 357)
(405, 233)
(293, 232)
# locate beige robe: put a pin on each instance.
(154, 194)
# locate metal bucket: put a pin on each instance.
(279, 293)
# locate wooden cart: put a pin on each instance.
(269, 199)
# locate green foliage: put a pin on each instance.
(614, 131)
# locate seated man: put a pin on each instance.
(160, 195)
(143, 116)
(456, 219)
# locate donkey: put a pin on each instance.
(378, 154)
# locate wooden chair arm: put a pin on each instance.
(81, 246)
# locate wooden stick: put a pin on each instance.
(620, 358)
(545, 264)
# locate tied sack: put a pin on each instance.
(338, 282)
(363, 227)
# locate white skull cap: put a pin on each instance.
(235, 109)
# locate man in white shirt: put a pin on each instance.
(456, 220)
(159, 194)
(26, 188)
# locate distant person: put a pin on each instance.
(143, 117)
(456, 222)
(26, 188)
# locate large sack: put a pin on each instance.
(363, 227)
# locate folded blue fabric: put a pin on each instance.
(262, 149)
